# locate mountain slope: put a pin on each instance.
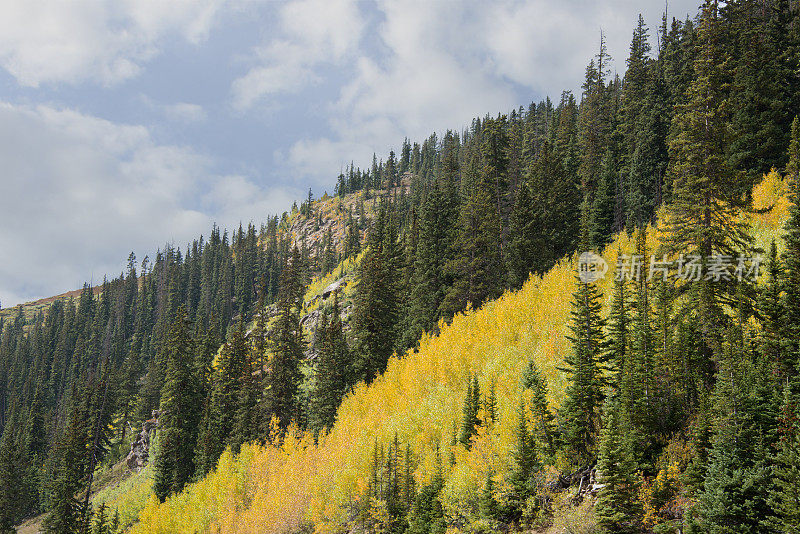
(418, 400)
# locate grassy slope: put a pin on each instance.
(419, 398)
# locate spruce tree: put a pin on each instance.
(288, 346)
(478, 267)
(494, 158)
(11, 481)
(435, 248)
(469, 419)
(66, 515)
(333, 373)
(594, 119)
(703, 218)
(617, 508)
(637, 385)
(556, 200)
(245, 426)
(771, 311)
(760, 98)
(375, 303)
(527, 465)
(101, 521)
(784, 499)
(791, 254)
(222, 402)
(619, 326)
(543, 432)
(174, 463)
(521, 256)
(580, 410)
(737, 482)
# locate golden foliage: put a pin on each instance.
(419, 398)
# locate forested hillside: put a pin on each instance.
(464, 378)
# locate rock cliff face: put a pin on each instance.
(140, 448)
(310, 320)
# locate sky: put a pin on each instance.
(128, 124)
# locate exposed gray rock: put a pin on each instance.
(333, 288)
(140, 448)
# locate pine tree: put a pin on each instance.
(333, 373)
(784, 499)
(579, 412)
(791, 254)
(617, 507)
(703, 217)
(375, 304)
(470, 420)
(543, 430)
(288, 346)
(101, 523)
(174, 463)
(66, 515)
(478, 267)
(522, 252)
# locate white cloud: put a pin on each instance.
(79, 193)
(546, 46)
(440, 64)
(185, 112)
(104, 41)
(315, 33)
(235, 199)
(320, 160)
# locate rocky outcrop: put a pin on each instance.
(140, 448)
(586, 480)
(333, 288)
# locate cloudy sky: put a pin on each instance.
(126, 124)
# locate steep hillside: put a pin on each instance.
(418, 401)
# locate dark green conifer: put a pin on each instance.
(523, 239)
(543, 431)
(333, 373)
(617, 508)
(470, 420)
(580, 410)
(288, 346)
(178, 420)
(376, 305)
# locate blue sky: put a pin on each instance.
(128, 124)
